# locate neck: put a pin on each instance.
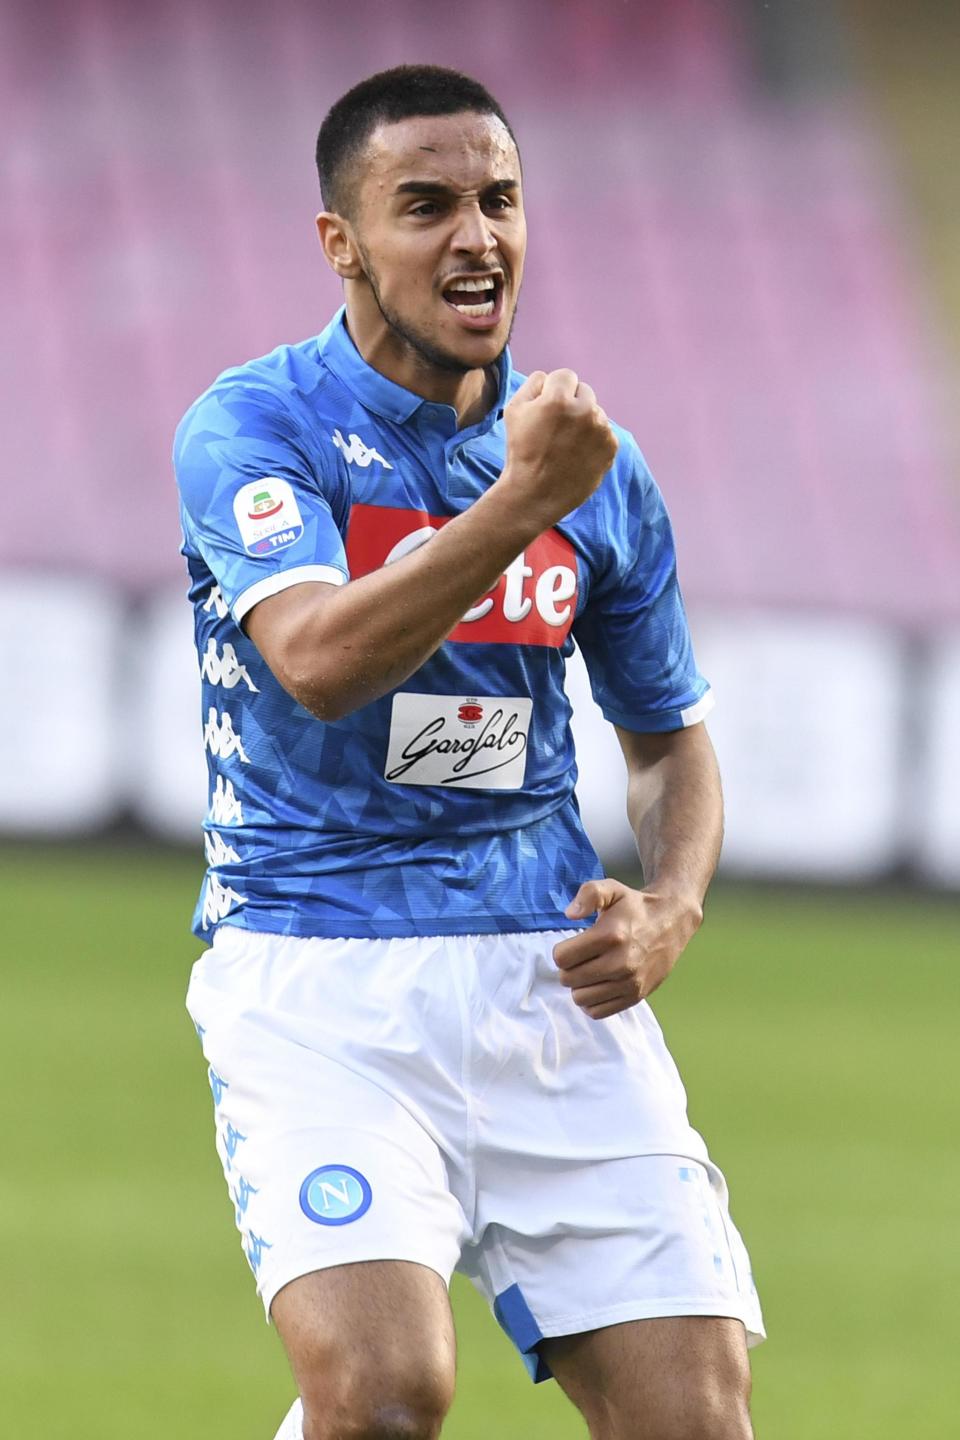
(471, 393)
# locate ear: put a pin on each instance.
(338, 244)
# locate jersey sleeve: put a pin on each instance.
(253, 503)
(633, 631)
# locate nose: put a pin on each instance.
(473, 233)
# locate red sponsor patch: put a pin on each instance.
(533, 603)
(470, 713)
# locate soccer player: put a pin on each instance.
(424, 1006)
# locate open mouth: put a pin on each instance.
(476, 297)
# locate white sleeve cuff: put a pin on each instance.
(282, 580)
(695, 713)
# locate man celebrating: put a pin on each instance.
(423, 1005)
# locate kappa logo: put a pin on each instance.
(533, 603)
(217, 1084)
(253, 1248)
(220, 738)
(218, 901)
(356, 453)
(267, 515)
(335, 1195)
(232, 1140)
(216, 603)
(241, 1197)
(225, 669)
(218, 851)
(225, 808)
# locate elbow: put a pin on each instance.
(304, 648)
(320, 707)
(329, 686)
(317, 691)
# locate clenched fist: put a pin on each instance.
(630, 948)
(559, 444)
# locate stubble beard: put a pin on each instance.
(421, 345)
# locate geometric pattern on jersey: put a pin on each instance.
(309, 465)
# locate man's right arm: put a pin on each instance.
(335, 648)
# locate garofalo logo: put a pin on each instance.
(466, 742)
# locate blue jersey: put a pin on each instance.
(446, 806)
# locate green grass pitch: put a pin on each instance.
(818, 1039)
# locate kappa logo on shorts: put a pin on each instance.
(335, 1195)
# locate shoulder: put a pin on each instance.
(630, 466)
(271, 417)
(275, 387)
(629, 497)
(624, 523)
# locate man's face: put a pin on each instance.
(438, 219)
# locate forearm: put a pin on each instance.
(371, 634)
(337, 648)
(675, 807)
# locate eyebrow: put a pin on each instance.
(433, 187)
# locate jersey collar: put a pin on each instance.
(375, 392)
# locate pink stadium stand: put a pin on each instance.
(735, 276)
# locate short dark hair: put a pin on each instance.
(382, 99)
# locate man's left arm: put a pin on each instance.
(675, 807)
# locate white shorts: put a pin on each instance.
(442, 1100)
